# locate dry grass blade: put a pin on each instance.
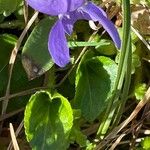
(141, 38)
(13, 137)
(17, 133)
(117, 141)
(13, 58)
(140, 105)
(116, 130)
(12, 61)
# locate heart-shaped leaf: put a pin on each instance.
(48, 121)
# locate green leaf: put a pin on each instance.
(73, 44)
(103, 46)
(146, 143)
(135, 62)
(94, 83)
(35, 56)
(140, 90)
(106, 47)
(8, 6)
(48, 121)
(78, 137)
(90, 146)
(76, 134)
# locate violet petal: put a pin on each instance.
(50, 7)
(57, 45)
(55, 7)
(96, 14)
(70, 18)
(74, 4)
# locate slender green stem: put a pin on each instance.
(125, 41)
(124, 94)
(123, 77)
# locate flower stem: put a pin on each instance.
(122, 84)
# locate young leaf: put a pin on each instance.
(48, 121)
(140, 90)
(146, 143)
(94, 83)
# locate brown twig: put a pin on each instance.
(5, 116)
(23, 93)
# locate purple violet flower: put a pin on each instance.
(68, 12)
